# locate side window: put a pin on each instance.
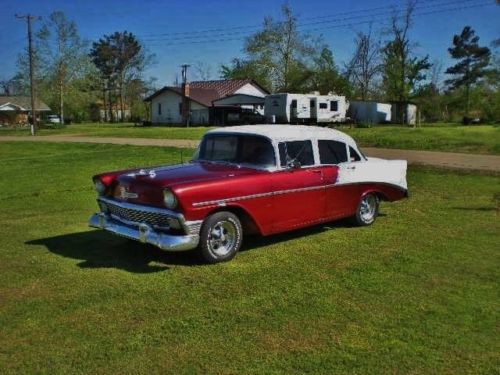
(332, 152)
(354, 156)
(159, 109)
(299, 150)
(334, 106)
(294, 103)
(323, 106)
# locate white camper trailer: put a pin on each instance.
(288, 108)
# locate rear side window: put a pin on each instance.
(299, 150)
(332, 152)
(354, 155)
(334, 106)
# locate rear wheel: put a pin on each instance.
(220, 237)
(367, 210)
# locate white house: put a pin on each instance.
(203, 100)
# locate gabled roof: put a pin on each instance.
(22, 102)
(199, 95)
(225, 87)
(204, 92)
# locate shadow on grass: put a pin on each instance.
(483, 208)
(99, 249)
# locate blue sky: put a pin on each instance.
(212, 31)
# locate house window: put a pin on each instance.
(334, 106)
(323, 106)
(180, 108)
(300, 151)
(332, 152)
(159, 109)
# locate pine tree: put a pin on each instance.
(472, 64)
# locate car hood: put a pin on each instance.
(145, 186)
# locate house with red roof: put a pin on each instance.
(218, 102)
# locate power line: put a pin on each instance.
(220, 38)
(332, 18)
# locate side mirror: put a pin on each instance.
(293, 164)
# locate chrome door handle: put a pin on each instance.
(352, 167)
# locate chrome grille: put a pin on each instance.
(138, 216)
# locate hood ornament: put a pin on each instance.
(143, 172)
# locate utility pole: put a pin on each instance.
(30, 18)
(185, 96)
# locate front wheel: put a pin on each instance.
(220, 237)
(367, 210)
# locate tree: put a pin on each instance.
(401, 69)
(203, 71)
(279, 53)
(472, 64)
(243, 69)
(62, 54)
(365, 65)
(325, 76)
(120, 58)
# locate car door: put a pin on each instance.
(341, 195)
(299, 192)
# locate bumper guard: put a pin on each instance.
(144, 233)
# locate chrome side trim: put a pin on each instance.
(222, 202)
(145, 234)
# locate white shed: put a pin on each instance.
(369, 111)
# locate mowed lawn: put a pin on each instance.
(417, 292)
(484, 139)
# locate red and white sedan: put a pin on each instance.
(262, 179)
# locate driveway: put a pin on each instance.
(450, 160)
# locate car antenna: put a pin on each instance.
(182, 158)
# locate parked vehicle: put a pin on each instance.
(54, 119)
(262, 179)
(288, 108)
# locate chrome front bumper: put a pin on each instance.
(144, 233)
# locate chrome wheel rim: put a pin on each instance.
(222, 238)
(368, 208)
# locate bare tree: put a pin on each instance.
(402, 69)
(203, 71)
(62, 53)
(365, 64)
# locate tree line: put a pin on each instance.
(104, 80)
(385, 66)
(82, 81)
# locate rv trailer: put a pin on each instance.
(287, 108)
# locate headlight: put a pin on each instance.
(99, 187)
(169, 199)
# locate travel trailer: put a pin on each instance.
(286, 108)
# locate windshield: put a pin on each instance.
(237, 149)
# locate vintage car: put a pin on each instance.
(255, 179)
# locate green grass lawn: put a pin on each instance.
(417, 292)
(484, 139)
(126, 130)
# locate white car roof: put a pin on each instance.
(281, 133)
